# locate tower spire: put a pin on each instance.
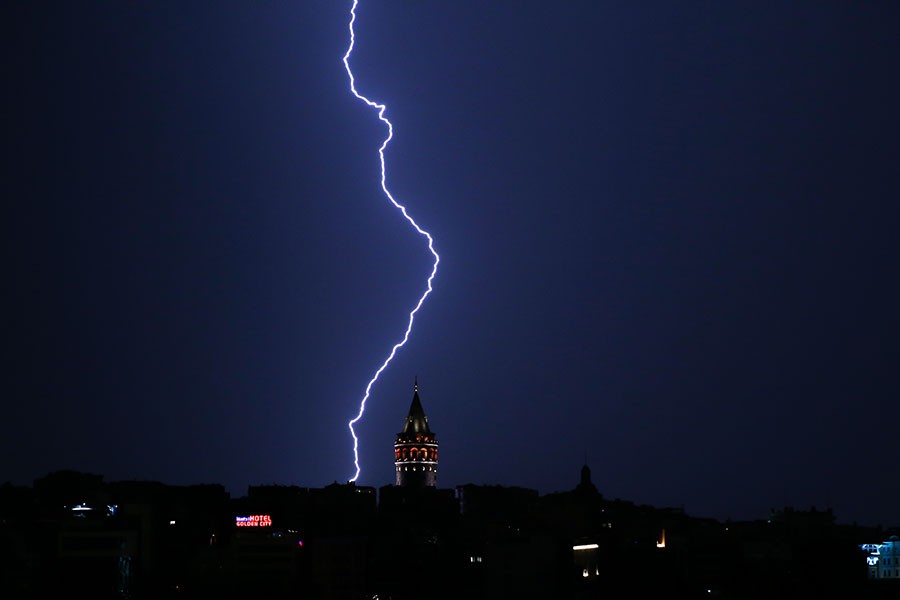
(416, 421)
(415, 451)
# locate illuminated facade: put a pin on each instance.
(883, 559)
(416, 449)
(587, 560)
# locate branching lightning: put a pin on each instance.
(390, 128)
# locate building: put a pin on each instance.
(883, 560)
(74, 534)
(416, 448)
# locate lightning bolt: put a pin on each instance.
(412, 315)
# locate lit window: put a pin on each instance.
(585, 547)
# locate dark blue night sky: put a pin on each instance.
(668, 236)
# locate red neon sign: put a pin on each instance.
(253, 521)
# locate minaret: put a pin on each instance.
(415, 451)
(586, 486)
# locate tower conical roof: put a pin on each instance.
(416, 422)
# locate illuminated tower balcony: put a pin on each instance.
(416, 449)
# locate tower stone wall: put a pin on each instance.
(416, 448)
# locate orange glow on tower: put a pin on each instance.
(415, 451)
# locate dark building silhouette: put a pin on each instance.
(73, 534)
(416, 448)
(586, 486)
